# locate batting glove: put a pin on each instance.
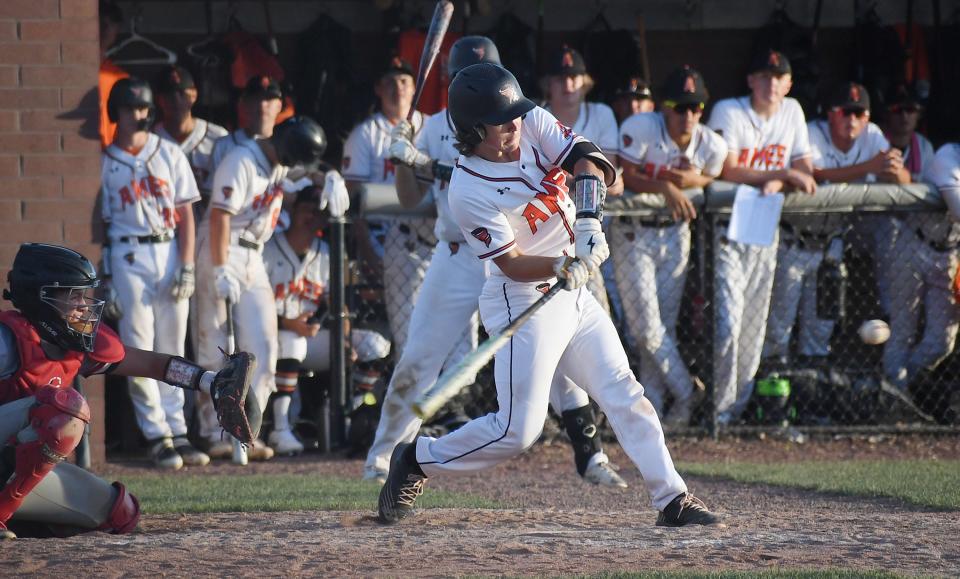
(185, 282)
(225, 284)
(334, 194)
(402, 150)
(575, 272)
(591, 244)
(111, 306)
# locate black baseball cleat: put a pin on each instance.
(404, 484)
(686, 509)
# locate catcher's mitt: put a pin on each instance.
(229, 393)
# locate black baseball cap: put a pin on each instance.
(397, 65)
(635, 87)
(174, 79)
(564, 62)
(309, 194)
(771, 61)
(684, 86)
(850, 95)
(262, 87)
(903, 95)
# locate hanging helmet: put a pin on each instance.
(129, 92)
(484, 94)
(471, 50)
(299, 141)
(53, 286)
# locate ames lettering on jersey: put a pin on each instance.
(555, 183)
(266, 199)
(146, 187)
(303, 288)
(388, 168)
(769, 157)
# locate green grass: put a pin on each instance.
(927, 483)
(774, 574)
(159, 494)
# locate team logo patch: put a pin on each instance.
(855, 94)
(627, 140)
(479, 51)
(509, 92)
(483, 235)
(227, 192)
(690, 85)
(773, 59)
(543, 288)
(264, 82)
(567, 59)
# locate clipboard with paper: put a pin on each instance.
(755, 216)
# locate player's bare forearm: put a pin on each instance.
(409, 190)
(142, 363)
(219, 235)
(898, 177)
(589, 166)
(186, 234)
(637, 183)
(524, 268)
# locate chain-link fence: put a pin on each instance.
(726, 336)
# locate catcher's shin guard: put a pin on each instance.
(57, 420)
(124, 515)
(581, 426)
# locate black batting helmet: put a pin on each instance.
(129, 92)
(299, 141)
(484, 94)
(52, 286)
(471, 50)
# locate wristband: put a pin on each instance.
(589, 193)
(183, 373)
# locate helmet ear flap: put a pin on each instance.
(473, 137)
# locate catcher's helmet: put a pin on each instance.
(484, 94)
(52, 286)
(299, 141)
(471, 50)
(129, 92)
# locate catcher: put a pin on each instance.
(54, 336)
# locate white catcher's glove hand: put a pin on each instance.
(184, 283)
(402, 150)
(226, 286)
(111, 306)
(591, 244)
(573, 270)
(334, 194)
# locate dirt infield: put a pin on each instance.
(557, 526)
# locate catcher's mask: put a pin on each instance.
(53, 288)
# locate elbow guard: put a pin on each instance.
(587, 150)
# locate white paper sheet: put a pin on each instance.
(755, 216)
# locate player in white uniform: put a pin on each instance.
(147, 190)
(244, 208)
(566, 85)
(768, 148)
(298, 263)
(846, 148)
(926, 268)
(663, 153)
(528, 232)
(632, 98)
(447, 303)
(407, 241)
(176, 95)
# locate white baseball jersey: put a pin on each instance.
(645, 142)
(298, 284)
(250, 189)
(762, 144)
(141, 192)
(502, 205)
(945, 174)
(437, 140)
(597, 124)
(825, 155)
(221, 147)
(198, 147)
(366, 154)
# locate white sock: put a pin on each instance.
(281, 413)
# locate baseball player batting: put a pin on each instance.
(447, 303)
(146, 206)
(528, 234)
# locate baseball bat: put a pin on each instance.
(452, 381)
(431, 48)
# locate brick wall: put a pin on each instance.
(49, 157)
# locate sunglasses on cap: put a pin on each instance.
(903, 109)
(858, 112)
(682, 109)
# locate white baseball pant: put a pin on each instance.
(650, 268)
(743, 281)
(570, 329)
(255, 322)
(143, 275)
(923, 276)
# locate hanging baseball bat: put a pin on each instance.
(431, 48)
(454, 380)
(239, 449)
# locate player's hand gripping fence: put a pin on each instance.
(454, 380)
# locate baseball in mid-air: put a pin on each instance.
(874, 332)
